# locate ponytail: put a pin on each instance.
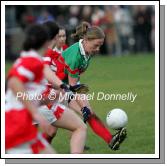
(85, 30)
(81, 30)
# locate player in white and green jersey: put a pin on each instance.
(76, 60)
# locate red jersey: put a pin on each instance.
(18, 120)
(56, 66)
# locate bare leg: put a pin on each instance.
(75, 106)
(72, 122)
(96, 124)
(51, 135)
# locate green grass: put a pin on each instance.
(120, 75)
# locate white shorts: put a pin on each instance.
(52, 114)
(31, 147)
(53, 94)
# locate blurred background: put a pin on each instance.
(128, 29)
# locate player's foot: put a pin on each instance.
(86, 148)
(118, 138)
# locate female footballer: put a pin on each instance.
(76, 60)
(56, 113)
(25, 77)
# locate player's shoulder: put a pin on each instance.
(31, 56)
(29, 59)
(73, 49)
(72, 54)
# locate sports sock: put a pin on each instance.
(99, 128)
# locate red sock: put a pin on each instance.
(98, 127)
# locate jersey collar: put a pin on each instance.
(57, 50)
(82, 50)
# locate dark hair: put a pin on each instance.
(52, 28)
(62, 28)
(36, 36)
(88, 31)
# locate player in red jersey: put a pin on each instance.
(57, 114)
(55, 49)
(25, 78)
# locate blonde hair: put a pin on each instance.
(88, 31)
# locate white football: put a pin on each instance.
(117, 118)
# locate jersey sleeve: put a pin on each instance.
(27, 69)
(72, 60)
(72, 66)
(49, 55)
(73, 69)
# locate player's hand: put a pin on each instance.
(68, 92)
(80, 88)
(86, 113)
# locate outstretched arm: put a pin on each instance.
(51, 77)
(84, 104)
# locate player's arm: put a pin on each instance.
(55, 81)
(84, 104)
(17, 86)
(48, 73)
(51, 77)
(73, 82)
